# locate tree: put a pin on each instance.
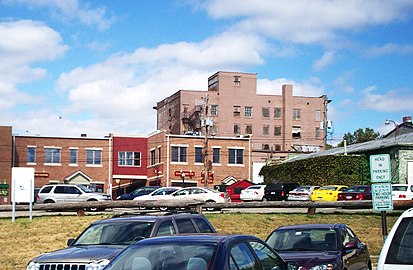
(359, 136)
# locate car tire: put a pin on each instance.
(163, 208)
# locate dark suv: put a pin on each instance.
(278, 191)
(99, 243)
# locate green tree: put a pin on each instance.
(359, 136)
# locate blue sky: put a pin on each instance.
(98, 67)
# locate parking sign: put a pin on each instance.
(382, 196)
(380, 168)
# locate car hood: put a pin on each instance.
(307, 259)
(82, 253)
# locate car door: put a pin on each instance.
(72, 194)
(355, 259)
(241, 257)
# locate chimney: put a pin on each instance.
(407, 119)
(83, 135)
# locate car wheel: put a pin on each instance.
(163, 208)
(142, 208)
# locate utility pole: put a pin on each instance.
(206, 122)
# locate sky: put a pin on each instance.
(69, 67)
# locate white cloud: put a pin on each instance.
(311, 88)
(396, 100)
(390, 48)
(324, 61)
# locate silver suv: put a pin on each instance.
(99, 243)
(64, 193)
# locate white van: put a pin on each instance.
(397, 251)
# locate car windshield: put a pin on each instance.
(254, 187)
(114, 233)
(356, 189)
(328, 188)
(165, 256)
(399, 188)
(163, 191)
(303, 240)
(303, 188)
(85, 189)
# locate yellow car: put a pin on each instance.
(327, 193)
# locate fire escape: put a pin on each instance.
(192, 120)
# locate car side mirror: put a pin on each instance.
(292, 266)
(70, 241)
(350, 245)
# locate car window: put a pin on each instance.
(181, 192)
(203, 225)
(166, 228)
(267, 258)
(399, 188)
(401, 247)
(347, 236)
(241, 257)
(185, 225)
(46, 189)
(72, 190)
(197, 191)
(60, 190)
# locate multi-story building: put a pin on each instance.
(279, 125)
(179, 160)
(6, 157)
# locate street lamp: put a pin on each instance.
(183, 177)
(396, 127)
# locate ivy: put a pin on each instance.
(346, 170)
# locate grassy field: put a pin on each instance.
(25, 239)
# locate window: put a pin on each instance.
(277, 113)
(265, 147)
(159, 154)
(296, 114)
(266, 112)
(237, 110)
(237, 129)
(318, 115)
(166, 228)
(52, 155)
(248, 129)
(248, 112)
(213, 129)
(237, 80)
(126, 158)
(179, 153)
(199, 157)
(203, 226)
(73, 155)
(241, 257)
(216, 155)
(277, 130)
(296, 132)
(268, 259)
(185, 226)
(31, 154)
(277, 147)
(214, 110)
(152, 156)
(317, 132)
(265, 130)
(235, 156)
(93, 157)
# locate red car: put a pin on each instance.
(355, 193)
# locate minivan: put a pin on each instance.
(278, 191)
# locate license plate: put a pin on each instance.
(273, 192)
(348, 197)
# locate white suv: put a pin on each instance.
(64, 193)
(397, 250)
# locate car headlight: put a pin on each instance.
(327, 266)
(97, 265)
(33, 266)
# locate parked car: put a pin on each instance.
(327, 193)
(402, 192)
(253, 193)
(199, 193)
(66, 193)
(396, 253)
(137, 192)
(200, 252)
(354, 193)
(301, 193)
(156, 195)
(99, 243)
(320, 246)
(278, 191)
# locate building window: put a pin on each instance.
(52, 155)
(317, 132)
(159, 154)
(296, 132)
(265, 147)
(213, 130)
(179, 153)
(248, 112)
(199, 157)
(235, 156)
(277, 147)
(93, 157)
(237, 110)
(265, 130)
(237, 80)
(216, 155)
(126, 158)
(214, 110)
(152, 156)
(318, 115)
(277, 130)
(277, 113)
(73, 155)
(296, 114)
(237, 129)
(31, 154)
(266, 112)
(248, 129)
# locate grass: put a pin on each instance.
(25, 239)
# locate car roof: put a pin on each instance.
(407, 213)
(312, 226)
(198, 238)
(146, 218)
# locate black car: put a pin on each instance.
(320, 246)
(278, 191)
(99, 243)
(200, 252)
(137, 192)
